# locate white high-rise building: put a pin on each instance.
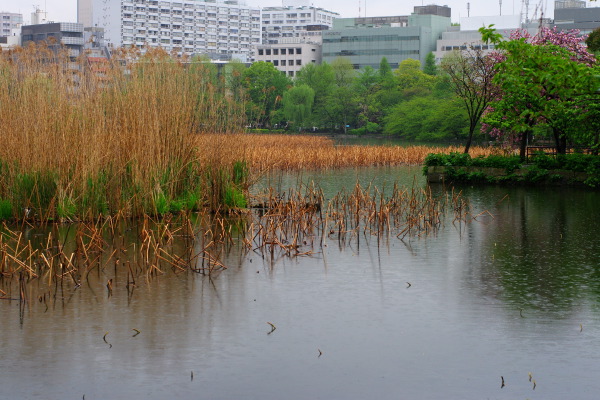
(84, 12)
(221, 29)
(9, 21)
(295, 20)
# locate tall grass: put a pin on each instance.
(83, 142)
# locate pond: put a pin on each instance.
(513, 294)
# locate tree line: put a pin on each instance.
(542, 87)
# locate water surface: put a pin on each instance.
(438, 317)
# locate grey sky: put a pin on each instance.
(66, 10)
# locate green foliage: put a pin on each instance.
(34, 189)
(234, 198)
(94, 197)
(370, 127)
(541, 85)
(66, 208)
(161, 204)
(6, 209)
(430, 67)
(265, 86)
(240, 173)
(297, 104)
(427, 118)
(593, 40)
(537, 171)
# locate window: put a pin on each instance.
(291, 73)
(268, 52)
(283, 52)
(260, 52)
(283, 63)
(275, 52)
(298, 50)
(290, 51)
(298, 62)
(276, 63)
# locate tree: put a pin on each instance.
(471, 73)
(342, 103)
(593, 40)
(265, 85)
(542, 82)
(430, 67)
(411, 80)
(321, 79)
(297, 104)
(366, 87)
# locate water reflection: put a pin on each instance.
(442, 316)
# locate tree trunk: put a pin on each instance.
(472, 127)
(560, 141)
(523, 146)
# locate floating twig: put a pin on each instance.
(273, 327)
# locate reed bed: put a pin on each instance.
(297, 223)
(300, 152)
(83, 140)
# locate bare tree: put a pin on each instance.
(471, 72)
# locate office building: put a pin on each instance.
(558, 4)
(583, 19)
(57, 34)
(365, 41)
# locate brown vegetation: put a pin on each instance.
(297, 152)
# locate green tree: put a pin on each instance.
(366, 85)
(430, 67)
(541, 84)
(321, 79)
(342, 104)
(593, 40)
(297, 104)
(265, 85)
(411, 80)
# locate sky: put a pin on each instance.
(66, 10)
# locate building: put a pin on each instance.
(558, 4)
(67, 34)
(289, 56)
(365, 41)
(222, 29)
(294, 20)
(432, 9)
(584, 19)
(9, 22)
(84, 12)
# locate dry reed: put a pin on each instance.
(81, 141)
(297, 152)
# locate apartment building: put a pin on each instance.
(295, 20)
(222, 29)
(9, 21)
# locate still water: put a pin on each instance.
(515, 291)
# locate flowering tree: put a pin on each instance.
(541, 79)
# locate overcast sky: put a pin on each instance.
(66, 10)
